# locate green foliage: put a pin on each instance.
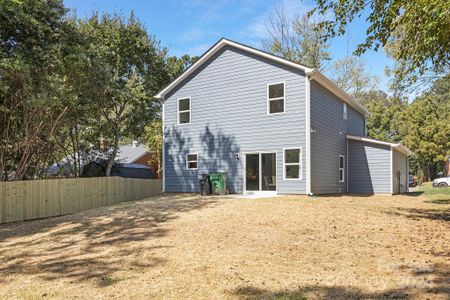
(418, 30)
(154, 139)
(34, 44)
(422, 125)
(67, 83)
(297, 39)
(384, 111)
(126, 68)
(176, 66)
(425, 127)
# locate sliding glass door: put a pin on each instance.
(260, 172)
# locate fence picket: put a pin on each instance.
(28, 200)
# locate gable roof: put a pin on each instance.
(397, 146)
(130, 153)
(312, 73)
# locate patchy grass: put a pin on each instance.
(186, 246)
(436, 195)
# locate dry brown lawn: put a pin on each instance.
(186, 246)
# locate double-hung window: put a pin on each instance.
(191, 161)
(292, 163)
(184, 110)
(275, 98)
(341, 168)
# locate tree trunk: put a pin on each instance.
(115, 150)
(428, 171)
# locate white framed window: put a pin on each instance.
(184, 110)
(292, 163)
(192, 161)
(341, 168)
(275, 98)
(344, 111)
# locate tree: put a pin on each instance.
(296, 39)
(350, 75)
(34, 42)
(384, 111)
(419, 28)
(126, 70)
(175, 66)
(153, 131)
(425, 127)
(154, 138)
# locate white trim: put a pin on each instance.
(407, 174)
(392, 169)
(346, 167)
(300, 164)
(319, 77)
(344, 111)
(183, 111)
(244, 177)
(213, 50)
(343, 168)
(333, 88)
(163, 165)
(277, 98)
(398, 147)
(189, 161)
(308, 135)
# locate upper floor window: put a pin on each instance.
(344, 111)
(275, 98)
(184, 110)
(341, 168)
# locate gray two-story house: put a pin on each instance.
(274, 126)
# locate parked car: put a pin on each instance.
(442, 182)
(411, 181)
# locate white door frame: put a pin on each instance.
(244, 177)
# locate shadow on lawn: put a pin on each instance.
(416, 214)
(439, 201)
(417, 281)
(95, 244)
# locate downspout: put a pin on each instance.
(308, 134)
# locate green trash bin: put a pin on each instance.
(218, 183)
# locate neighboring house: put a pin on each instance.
(132, 161)
(98, 169)
(135, 153)
(274, 126)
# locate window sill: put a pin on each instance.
(276, 114)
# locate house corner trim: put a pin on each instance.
(392, 170)
(308, 134)
(163, 165)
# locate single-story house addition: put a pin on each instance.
(275, 126)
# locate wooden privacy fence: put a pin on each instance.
(28, 200)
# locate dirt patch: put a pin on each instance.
(186, 246)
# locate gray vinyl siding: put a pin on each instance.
(369, 168)
(229, 116)
(399, 164)
(328, 139)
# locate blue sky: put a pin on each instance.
(192, 26)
